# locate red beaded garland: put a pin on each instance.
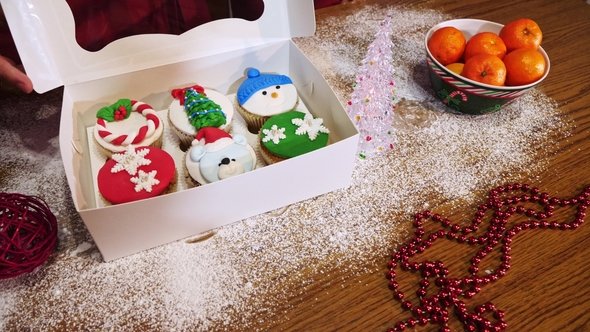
(433, 308)
(28, 233)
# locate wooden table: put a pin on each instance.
(548, 286)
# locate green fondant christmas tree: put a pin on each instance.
(202, 111)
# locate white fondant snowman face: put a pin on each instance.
(273, 100)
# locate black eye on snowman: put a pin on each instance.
(278, 87)
(264, 93)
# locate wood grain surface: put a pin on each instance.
(548, 286)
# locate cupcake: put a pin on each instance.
(216, 155)
(127, 122)
(195, 107)
(261, 96)
(137, 173)
(291, 134)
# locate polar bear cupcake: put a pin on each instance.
(261, 96)
(127, 122)
(195, 107)
(217, 155)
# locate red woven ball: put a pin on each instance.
(28, 233)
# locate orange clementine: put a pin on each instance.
(521, 33)
(485, 43)
(455, 67)
(524, 66)
(447, 45)
(485, 68)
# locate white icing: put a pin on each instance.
(272, 101)
(129, 126)
(145, 181)
(130, 160)
(179, 119)
(310, 126)
(273, 134)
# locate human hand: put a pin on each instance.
(13, 76)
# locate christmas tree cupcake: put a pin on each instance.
(195, 107)
(127, 122)
(291, 134)
(261, 96)
(136, 173)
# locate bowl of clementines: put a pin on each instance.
(478, 67)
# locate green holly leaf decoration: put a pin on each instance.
(114, 112)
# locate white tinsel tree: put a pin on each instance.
(371, 105)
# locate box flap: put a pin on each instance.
(44, 34)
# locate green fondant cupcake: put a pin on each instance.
(291, 134)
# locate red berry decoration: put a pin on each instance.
(28, 233)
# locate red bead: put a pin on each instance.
(417, 311)
(390, 274)
(470, 327)
(398, 295)
(393, 285)
(399, 326)
(407, 305)
(412, 322)
(422, 320)
(499, 314)
(490, 306)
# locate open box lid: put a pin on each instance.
(43, 31)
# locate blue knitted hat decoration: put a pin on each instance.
(257, 81)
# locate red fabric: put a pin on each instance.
(102, 21)
(325, 3)
(99, 22)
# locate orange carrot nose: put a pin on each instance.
(274, 94)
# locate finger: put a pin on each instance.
(11, 75)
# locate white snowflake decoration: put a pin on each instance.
(310, 126)
(130, 160)
(145, 181)
(274, 133)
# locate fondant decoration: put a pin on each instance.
(137, 173)
(126, 106)
(267, 94)
(293, 133)
(206, 108)
(217, 155)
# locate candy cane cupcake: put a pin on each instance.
(195, 107)
(127, 122)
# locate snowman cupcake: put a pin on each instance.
(261, 96)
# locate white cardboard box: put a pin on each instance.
(147, 68)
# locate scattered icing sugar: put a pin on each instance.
(239, 275)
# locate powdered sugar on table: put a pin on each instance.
(244, 270)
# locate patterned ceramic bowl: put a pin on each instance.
(465, 95)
